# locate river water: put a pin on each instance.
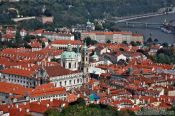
(153, 33)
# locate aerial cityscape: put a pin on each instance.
(87, 57)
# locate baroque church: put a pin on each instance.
(74, 68)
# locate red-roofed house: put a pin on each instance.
(8, 89)
(8, 37)
(47, 93)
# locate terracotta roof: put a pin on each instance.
(35, 44)
(19, 72)
(8, 36)
(54, 71)
(47, 91)
(13, 88)
(108, 33)
(66, 42)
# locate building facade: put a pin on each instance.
(114, 37)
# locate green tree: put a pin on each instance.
(165, 44)
(133, 43)
(156, 40)
(31, 24)
(121, 49)
(149, 40)
(108, 41)
(124, 42)
(43, 45)
(89, 41)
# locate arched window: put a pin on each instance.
(69, 65)
(77, 80)
(70, 81)
(63, 64)
(74, 81)
(60, 83)
(75, 64)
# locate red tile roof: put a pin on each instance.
(19, 72)
(13, 88)
(48, 91)
(54, 71)
(66, 42)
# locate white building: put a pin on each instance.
(114, 37)
(62, 77)
(47, 92)
(58, 36)
(24, 77)
(63, 44)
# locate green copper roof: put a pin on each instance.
(68, 55)
(95, 55)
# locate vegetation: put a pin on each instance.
(165, 55)
(80, 109)
(89, 41)
(68, 12)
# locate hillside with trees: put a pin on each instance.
(68, 12)
(78, 108)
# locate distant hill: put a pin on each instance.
(67, 12)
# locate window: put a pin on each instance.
(60, 83)
(70, 82)
(63, 64)
(75, 64)
(77, 80)
(69, 65)
(65, 82)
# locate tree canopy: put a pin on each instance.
(68, 12)
(80, 109)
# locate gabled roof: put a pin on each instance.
(13, 88)
(47, 91)
(19, 72)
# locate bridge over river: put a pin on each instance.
(140, 25)
(132, 21)
(135, 17)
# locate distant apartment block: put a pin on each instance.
(58, 36)
(114, 37)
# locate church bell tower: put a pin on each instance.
(85, 62)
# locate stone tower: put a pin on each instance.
(85, 62)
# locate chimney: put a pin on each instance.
(27, 110)
(17, 106)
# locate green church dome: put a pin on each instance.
(69, 55)
(95, 55)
